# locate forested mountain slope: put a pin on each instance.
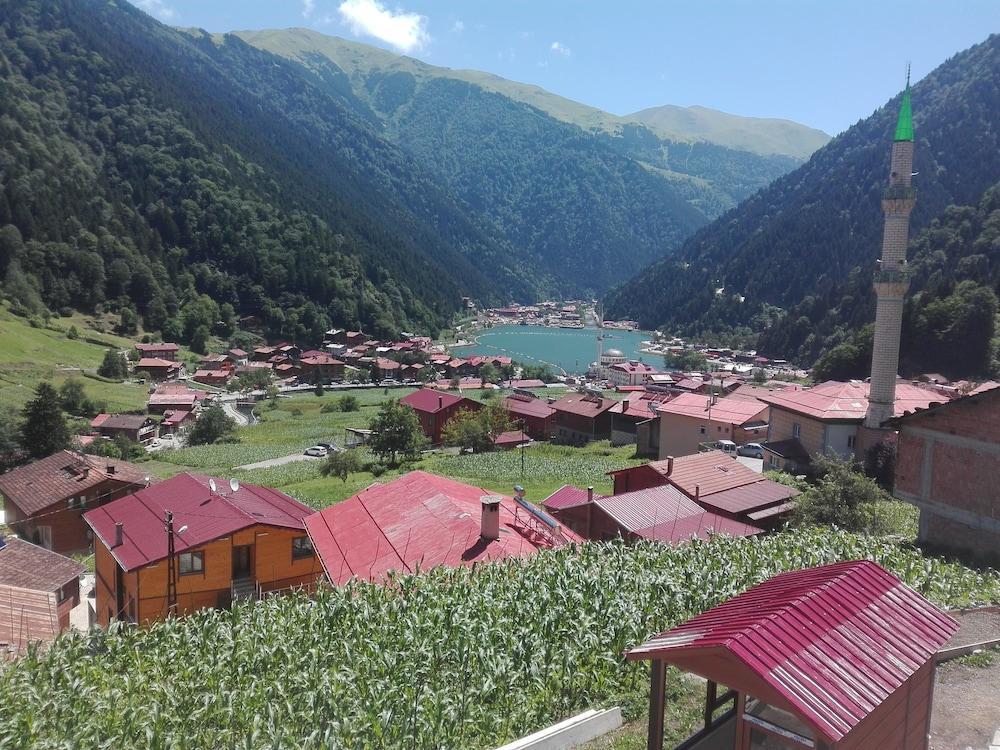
(142, 168)
(803, 235)
(583, 199)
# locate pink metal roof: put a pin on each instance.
(412, 523)
(168, 347)
(835, 401)
(208, 515)
(528, 407)
(431, 401)
(749, 497)
(565, 497)
(511, 438)
(730, 410)
(830, 644)
(147, 363)
(584, 405)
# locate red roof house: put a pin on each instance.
(158, 351)
(582, 417)
(537, 416)
(694, 418)
(434, 408)
(420, 521)
(231, 540)
(838, 657)
(158, 368)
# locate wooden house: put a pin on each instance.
(45, 499)
(840, 657)
(230, 541)
(435, 408)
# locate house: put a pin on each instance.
(647, 438)
(839, 657)
(535, 415)
(320, 368)
(157, 368)
(947, 464)
(136, 427)
(421, 521)
(44, 499)
(214, 362)
(387, 368)
(827, 418)
(434, 409)
(218, 378)
(582, 417)
(263, 353)
(238, 356)
(718, 483)
(174, 397)
(691, 419)
(158, 351)
(176, 420)
(510, 440)
(38, 588)
(630, 373)
(629, 413)
(230, 541)
(661, 513)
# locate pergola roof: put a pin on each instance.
(830, 644)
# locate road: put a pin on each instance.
(279, 461)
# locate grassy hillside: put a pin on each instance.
(29, 355)
(762, 135)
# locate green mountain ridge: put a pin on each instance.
(762, 136)
(796, 240)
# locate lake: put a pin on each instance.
(569, 349)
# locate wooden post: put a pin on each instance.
(711, 690)
(657, 689)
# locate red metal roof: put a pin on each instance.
(207, 514)
(829, 643)
(584, 405)
(168, 347)
(431, 401)
(528, 407)
(152, 363)
(565, 497)
(735, 411)
(412, 523)
(511, 438)
(750, 497)
(665, 514)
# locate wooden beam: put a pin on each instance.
(657, 690)
(711, 691)
(947, 654)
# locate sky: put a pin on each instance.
(825, 64)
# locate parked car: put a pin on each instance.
(751, 450)
(317, 450)
(726, 446)
(330, 447)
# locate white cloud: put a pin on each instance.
(458, 27)
(308, 6)
(404, 31)
(561, 49)
(156, 8)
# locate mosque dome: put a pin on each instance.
(614, 353)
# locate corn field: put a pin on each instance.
(455, 658)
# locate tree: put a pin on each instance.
(507, 371)
(341, 464)
(73, 398)
(10, 438)
(396, 433)
(427, 374)
(127, 449)
(844, 497)
(43, 429)
(348, 402)
(686, 360)
(454, 383)
(477, 430)
(374, 372)
(318, 390)
(488, 373)
(213, 426)
(113, 366)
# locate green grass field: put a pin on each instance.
(296, 423)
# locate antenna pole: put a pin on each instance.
(171, 572)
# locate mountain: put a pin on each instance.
(581, 200)
(798, 239)
(184, 181)
(759, 135)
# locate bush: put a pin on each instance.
(213, 426)
(342, 464)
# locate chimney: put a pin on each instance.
(119, 528)
(590, 494)
(697, 492)
(624, 405)
(440, 402)
(489, 528)
(670, 465)
(111, 469)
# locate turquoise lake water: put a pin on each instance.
(571, 349)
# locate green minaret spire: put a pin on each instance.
(904, 125)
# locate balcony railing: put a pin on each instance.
(899, 192)
(892, 276)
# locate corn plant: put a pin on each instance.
(453, 658)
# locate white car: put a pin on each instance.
(317, 450)
(751, 450)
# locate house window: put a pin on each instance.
(60, 595)
(302, 546)
(191, 563)
(850, 441)
(43, 536)
(702, 430)
(773, 462)
(796, 430)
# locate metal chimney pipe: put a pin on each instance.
(670, 465)
(590, 494)
(440, 402)
(489, 528)
(119, 533)
(697, 492)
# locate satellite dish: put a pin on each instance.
(234, 485)
(211, 485)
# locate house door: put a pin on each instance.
(242, 561)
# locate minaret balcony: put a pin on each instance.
(899, 192)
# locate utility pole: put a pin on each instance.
(522, 450)
(171, 572)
